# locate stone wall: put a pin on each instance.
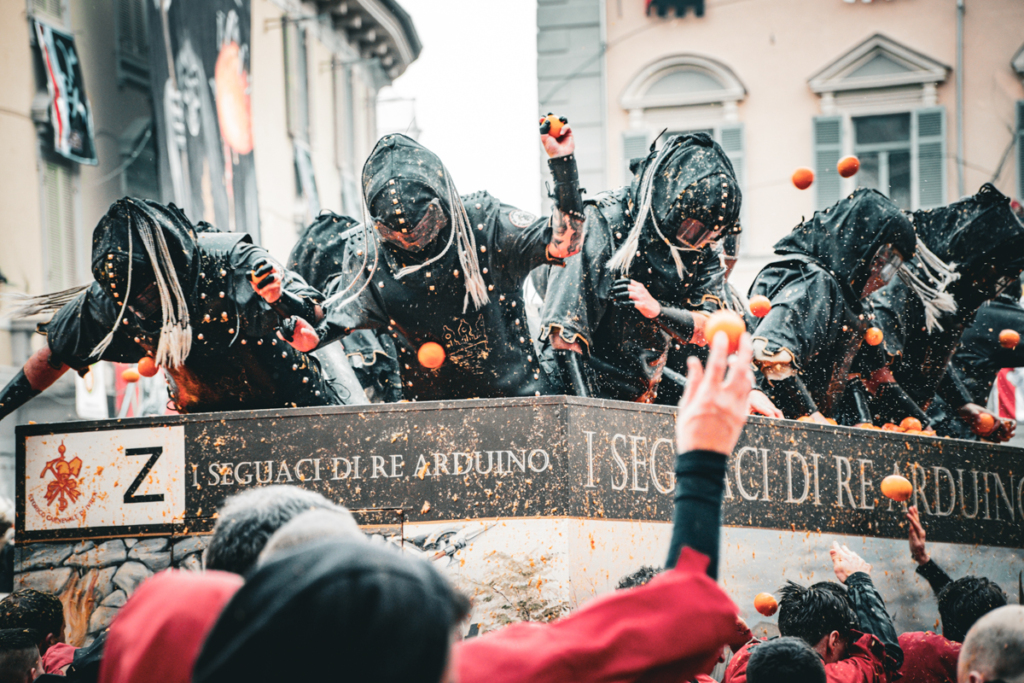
(94, 578)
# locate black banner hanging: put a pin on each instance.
(70, 113)
(200, 74)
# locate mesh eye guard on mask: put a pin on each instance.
(419, 236)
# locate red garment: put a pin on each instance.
(157, 635)
(57, 657)
(670, 629)
(864, 663)
(928, 658)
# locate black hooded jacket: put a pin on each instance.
(236, 360)
(317, 257)
(625, 350)
(982, 236)
(488, 351)
(980, 356)
(815, 288)
(344, 610)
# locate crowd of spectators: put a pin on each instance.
(292, 589)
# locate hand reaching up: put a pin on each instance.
(714, 406)
(846, 562)
(917, 537)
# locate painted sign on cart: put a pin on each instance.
(104, 479)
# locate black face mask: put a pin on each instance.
(414, 238)
(143, 296)
(884, 265)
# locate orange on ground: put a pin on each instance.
(848, 166)
(890, 427)
(148, 366)
(805, 418)
(986, 423)
(866, 425)
(766, 604)
(760, 305)
(728, 322)
(130, 375)
(873, 336)
(1009, 339)
(431, 355)
(897, 488)
(911, 423)
(803, 177)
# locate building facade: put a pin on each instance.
(311, 75)
(927, 93)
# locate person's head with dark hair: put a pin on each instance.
(310, 527)
(19, 656)
(40, 612)
(785, 660)
(639, 578)
(246, 522)
(964, 601)
(820, 615)
(382, 616)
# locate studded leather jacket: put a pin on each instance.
(626, 351)
(236, 360)
(488, 352)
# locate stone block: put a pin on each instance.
(83, 546)
(101, 581)
(52, 581)
(101, 618)
(153, 553)
(192, 563)
(129, 575)
(103, 555)
(41, 556)
(130, 541)
(188, 546)
(115, 599)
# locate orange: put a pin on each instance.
(1009, 339)
(148, 366)
(897, 488)
(431, 355)
(890, 427)
(760, 306)
(728, 322)
(555, 123)
(866, 425)
(911, 424)
(766, 604)
(848, 166)
(986, 423)
(803, 177)
(130, 375)
(805, 418)
(873, 336)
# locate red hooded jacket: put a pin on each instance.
(670, 629)
(864, 663)
(928, 658)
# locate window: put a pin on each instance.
(296, 80)
(140, 171)
(882, 143)
(51, 11)
(59, 234)
(132, 42)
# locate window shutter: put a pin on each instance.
(296, 83)
(132, 42)
(58, 198)
(1020, 149)
(51, 10)
(732, 143)
(828, 147)
(931, 154)
(634, 145)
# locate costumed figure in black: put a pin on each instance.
(211, 308)
(443, 275)
(369, 355)
(826, 267)
(982, 242)
(648, 273)
(981, 356)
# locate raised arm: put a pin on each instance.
(40, 371)
(711, 416)
(872, 615)
(926, 567)
(567, 218)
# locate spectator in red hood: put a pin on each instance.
(929, 657)
(673, 627)
(851, 630)
(156, 636)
